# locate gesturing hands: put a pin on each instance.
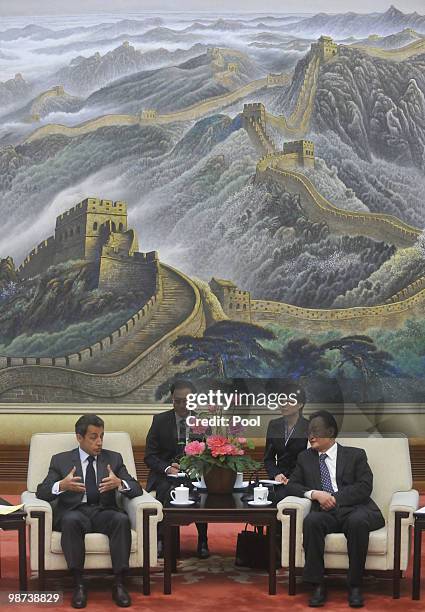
(281, 478)
(72, 483)
(326, 500)
(110, 482)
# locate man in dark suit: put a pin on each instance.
(339, 482)
(165, 444)
(286, 435)
(81, 484)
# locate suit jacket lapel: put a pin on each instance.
(102, 462)
(77, 462)
(298, 430)
(173, 430)
(75, 458)
(315, 472)
(340, 464)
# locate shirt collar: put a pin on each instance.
(332, 451)
(84, 455)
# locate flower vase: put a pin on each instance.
(219, 480)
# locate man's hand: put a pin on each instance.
(72, 483)
(282, 478)
(326, 500)
(110, 482)
(173, 469)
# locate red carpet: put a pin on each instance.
(203, 584)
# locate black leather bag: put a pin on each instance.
(252, 549)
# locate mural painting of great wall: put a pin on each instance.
(237, 197)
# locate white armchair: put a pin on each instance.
(389, 547)
(45, 544)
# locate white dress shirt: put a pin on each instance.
(84, 463)
(331, 465)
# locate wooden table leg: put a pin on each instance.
(175, 548)
(168, 557)
(292, 549)
(272, 557)
(147, 512)
(417, 546)
(22, 535)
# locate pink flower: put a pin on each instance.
(216, 441)
(194, 448)
(242, 440)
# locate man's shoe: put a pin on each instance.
(318, 598)
(203, 550)
(355, 597)
(79, 596)
(120, 595)
(160, 549)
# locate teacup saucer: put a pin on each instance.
(188, 503)
(264, 503)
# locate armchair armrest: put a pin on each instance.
(40, 520)
(134, 508)
(33, 504)
(301, 504)
(146, 529)
(404, 501)
(291, 511)
(399, 520)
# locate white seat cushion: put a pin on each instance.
(336, 543)
(95, 543)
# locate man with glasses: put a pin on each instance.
(338, 481)
(165, 444)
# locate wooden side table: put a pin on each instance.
(16, 522)
(419, 526)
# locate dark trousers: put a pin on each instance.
(163, 488)
(355, 525)
(95, 519)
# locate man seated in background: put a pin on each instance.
(83, 483)
(339, 482)
(165, 444)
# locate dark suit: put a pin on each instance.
(281, 458)
(162, 449)
(355, 514)
(75, 518)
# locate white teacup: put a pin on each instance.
(239, 480)
(180, 494)
(260, 494)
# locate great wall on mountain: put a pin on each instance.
(128, 364)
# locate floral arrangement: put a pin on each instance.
(218, 450)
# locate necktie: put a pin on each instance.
(325, 475)
(182, 431)
(90, 483)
